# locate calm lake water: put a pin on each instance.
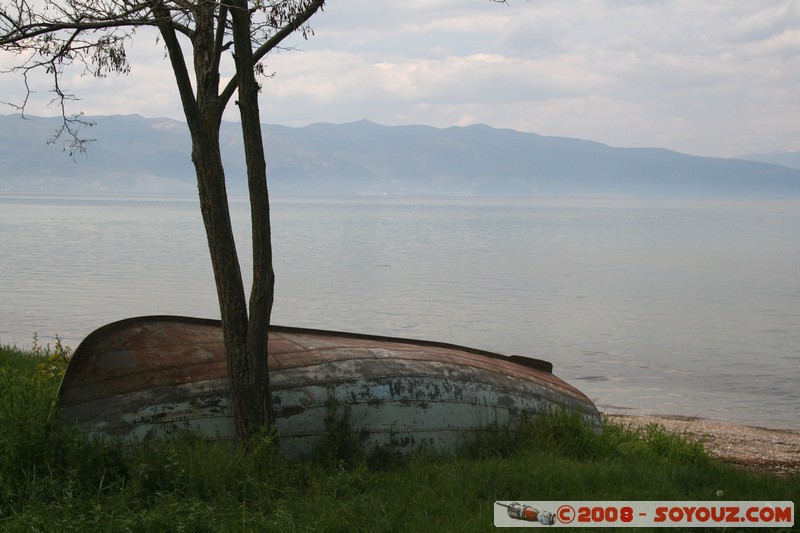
(684, 308)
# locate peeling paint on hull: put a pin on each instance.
(153, 376)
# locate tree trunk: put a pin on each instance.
(258, 410)
(228, 277)
(250, 396)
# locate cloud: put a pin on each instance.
(691, 76)
(705, 78)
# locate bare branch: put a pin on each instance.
(178, 66)
(91, 34)
(94, 35)
(220, 46)
(296, 19)
(17, 33)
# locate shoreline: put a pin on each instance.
(773, 451)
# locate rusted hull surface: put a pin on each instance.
(156, 375)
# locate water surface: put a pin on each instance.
(671, 307)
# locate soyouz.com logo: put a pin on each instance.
(643, 514)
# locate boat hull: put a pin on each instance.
(153, 376)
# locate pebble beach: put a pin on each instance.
(774, 451)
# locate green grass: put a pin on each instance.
(54, 479)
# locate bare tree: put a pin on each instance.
(53, 35)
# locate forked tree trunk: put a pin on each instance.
(245, 341)
(230, 289)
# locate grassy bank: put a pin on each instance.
(52, 479)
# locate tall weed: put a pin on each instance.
(568, 435)
(39, 454)
(552, 431)
(340, 445)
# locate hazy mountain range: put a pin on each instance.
(786, 158)
(136, 155)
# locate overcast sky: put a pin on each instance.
(704, 77)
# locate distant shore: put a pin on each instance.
(776, 451)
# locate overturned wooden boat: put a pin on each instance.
(152, 376)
